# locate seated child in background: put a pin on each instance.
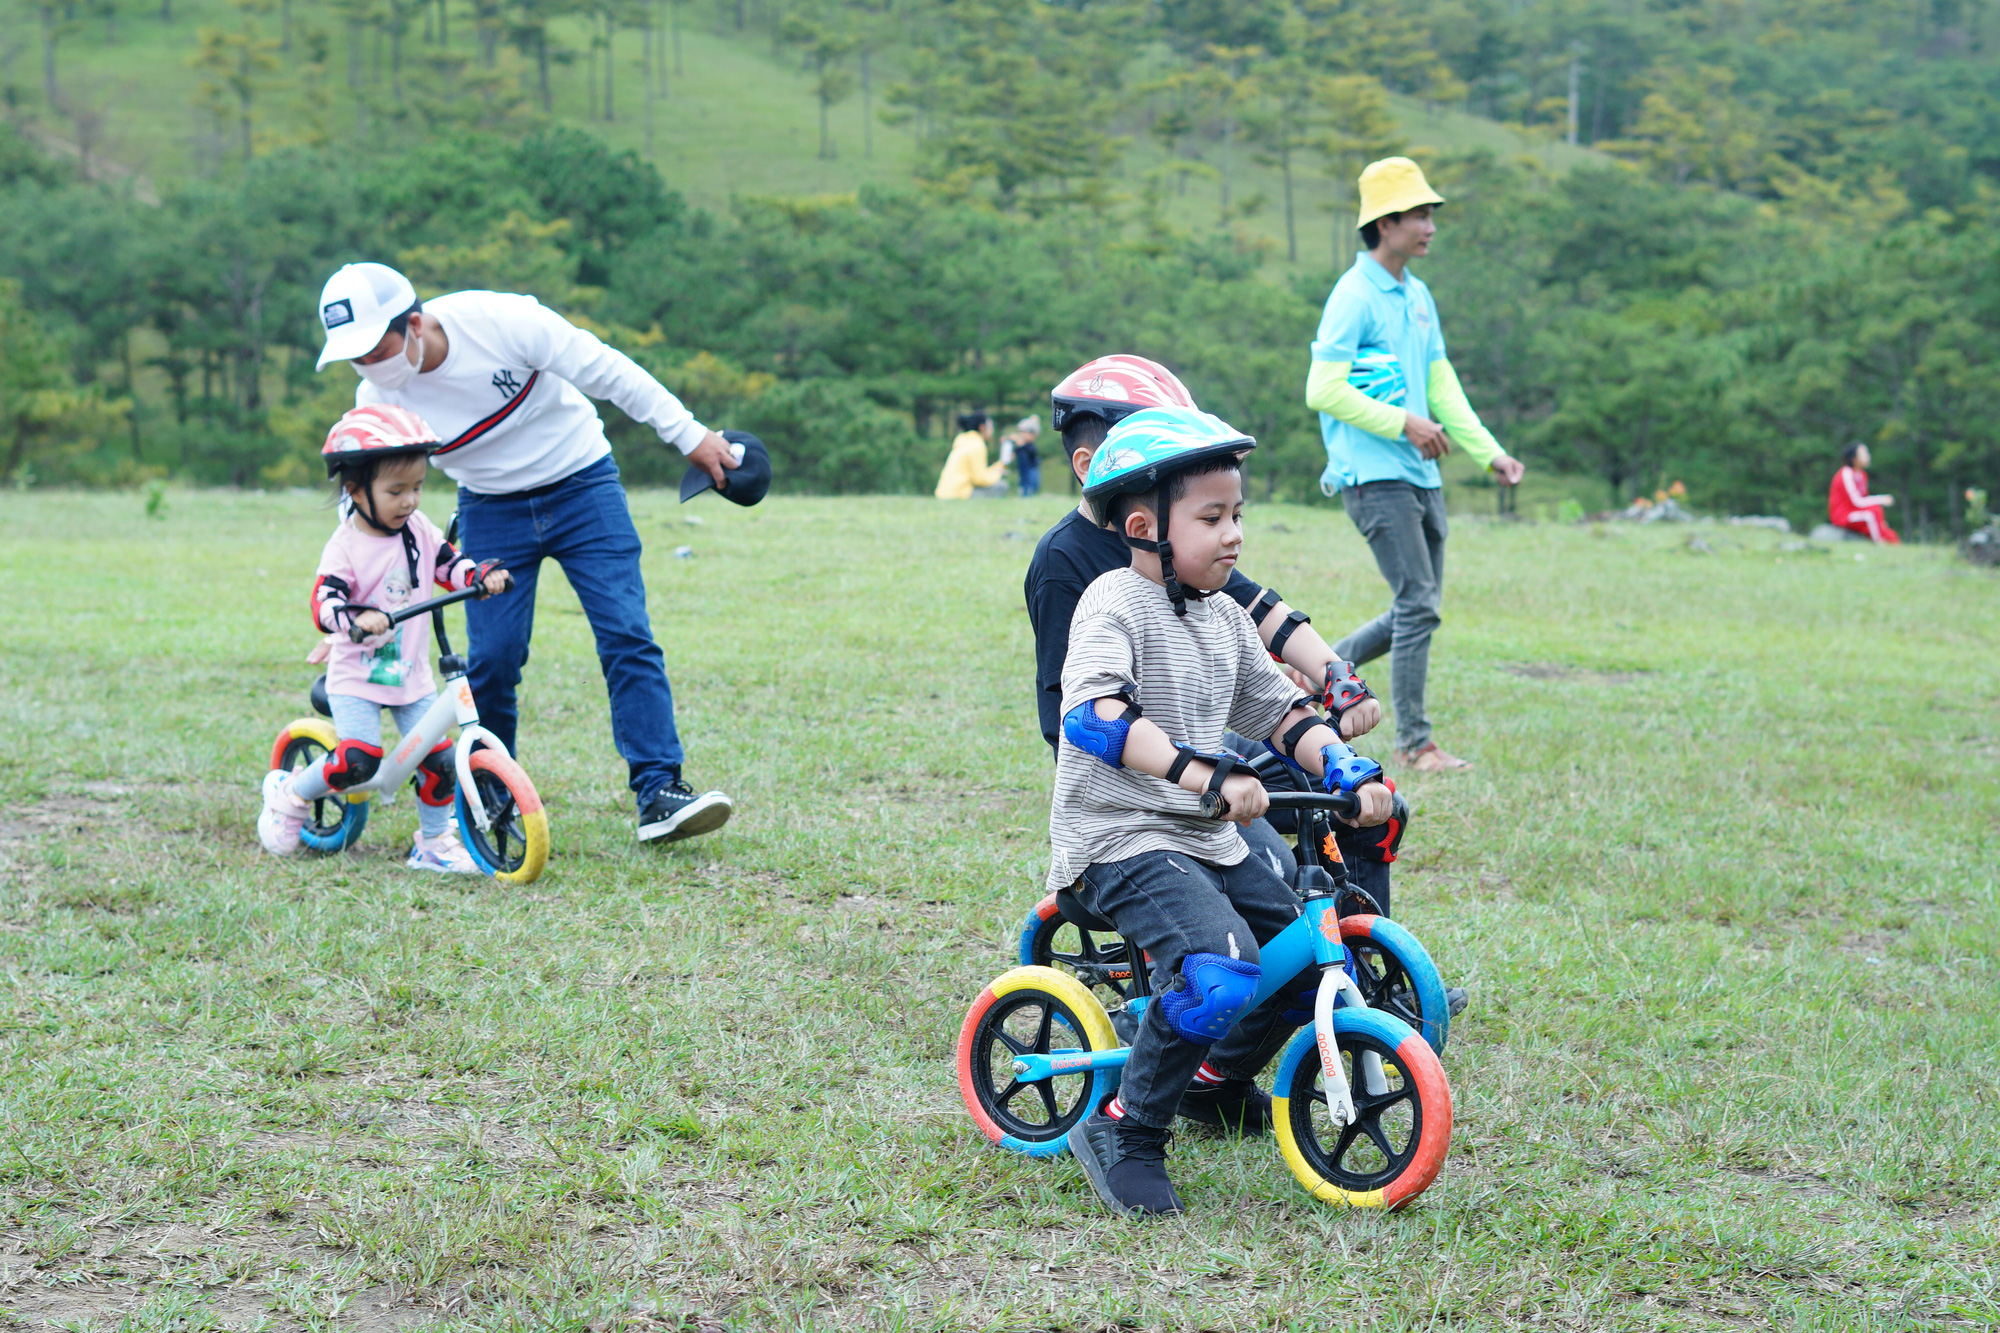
(1157, 671)
(380, 559)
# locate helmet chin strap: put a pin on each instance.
(1176, 593)
(367, 510)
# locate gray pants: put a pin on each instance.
(1405, 527)
(1171, 905)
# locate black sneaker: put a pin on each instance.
(1455, 999)
(1127, 1165)
(1234, 1106)
(676, 812)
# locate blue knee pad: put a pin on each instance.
(1217, 993)
(1094, 736)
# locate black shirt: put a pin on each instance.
(1069, 558)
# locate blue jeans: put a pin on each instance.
(1031, 477)
(583, 524)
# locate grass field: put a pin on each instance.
(1721, 886)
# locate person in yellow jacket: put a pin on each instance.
(966, 473)
(1390, 406)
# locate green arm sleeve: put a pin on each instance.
(1450, 410)
(1328, 391)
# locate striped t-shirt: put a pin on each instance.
(1194, 677)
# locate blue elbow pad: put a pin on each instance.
(1346, 770)
(1216, 992)
(1094, 736)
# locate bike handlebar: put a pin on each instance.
(356, 634)
(1345, 804)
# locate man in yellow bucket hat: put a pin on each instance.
(1390, 406)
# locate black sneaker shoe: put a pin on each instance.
(1455, 999)
(676, 812)
(1233, 1106)
(1127, 1165)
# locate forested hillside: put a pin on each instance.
(1685, 241)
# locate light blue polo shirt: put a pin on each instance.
(1371, 311)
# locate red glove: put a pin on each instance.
(485, 567)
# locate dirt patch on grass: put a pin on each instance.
(81, 812)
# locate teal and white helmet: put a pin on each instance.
(1379, 374)
(1143, 453)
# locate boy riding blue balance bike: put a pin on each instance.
(1142, 847)
(316, 794)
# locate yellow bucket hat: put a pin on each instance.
(1393, 185)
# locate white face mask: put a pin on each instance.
(393, 372)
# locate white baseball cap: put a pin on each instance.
(356, 306)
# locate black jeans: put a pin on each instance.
(1171, 905)
(1269, 840)
(1273, 846)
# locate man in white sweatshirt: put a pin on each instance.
(503, 381)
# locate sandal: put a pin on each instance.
(1430, 759)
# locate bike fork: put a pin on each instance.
(1334, 983)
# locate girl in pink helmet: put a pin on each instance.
(381, 557)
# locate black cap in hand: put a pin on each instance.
(748, 480)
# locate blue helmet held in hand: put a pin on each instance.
(1379, 374)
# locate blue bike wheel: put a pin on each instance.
(1098, 961)
(1032, 1010)
(1397, 1144)
(335, 823)
(353, 819)
(1396, 975)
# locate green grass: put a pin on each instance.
(1721, 886)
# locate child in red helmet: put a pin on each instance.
(380, 558)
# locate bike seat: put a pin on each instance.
(1075, 913)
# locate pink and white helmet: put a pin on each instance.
(1114, 387)
(379, 430)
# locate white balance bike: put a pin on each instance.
(500, 815)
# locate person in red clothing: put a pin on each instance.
(1850, 506)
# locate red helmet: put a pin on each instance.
(1114, 387)
(379, 430)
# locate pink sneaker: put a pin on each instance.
(444, 854)
(284, 815)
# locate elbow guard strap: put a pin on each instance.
(1288, 744)
(1286, 747)
(1347, 771)
(1266, 602)
(1285, 632)
(1344, 689)
(1093, 735)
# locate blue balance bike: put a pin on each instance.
(1361, 1103)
